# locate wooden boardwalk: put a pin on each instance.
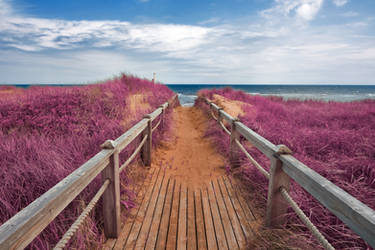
(171, 215)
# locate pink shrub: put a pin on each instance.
(335, 139)
(48, 132)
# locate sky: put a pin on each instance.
(222, 42)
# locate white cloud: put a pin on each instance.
(272, 48)
(304, 9)
(340, 3)
(309, 9)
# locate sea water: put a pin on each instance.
(187, 93)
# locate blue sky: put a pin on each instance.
(238, 41)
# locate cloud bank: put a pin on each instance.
(279, 45)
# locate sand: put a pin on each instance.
(188, 155)
(234, 108)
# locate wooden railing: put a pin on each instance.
(359, 217)
(22, 228)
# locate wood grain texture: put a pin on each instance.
(147, 147)
(111, 198)
(182, 219)
(173, 221)
(208, 221)
(218, 224)
(149, 215)
(154, 229)
(199, 220)
(276, 205)
(227, 225)
(191, 226)
(126, 138)
(138, 222)
(358, 216)
(163, 229)
(22, 228)
(236, 223)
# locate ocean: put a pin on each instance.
(187, 93)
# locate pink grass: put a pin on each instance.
(48, 132)
(335, 139)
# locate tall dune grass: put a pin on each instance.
(335, 139)
(48, 132)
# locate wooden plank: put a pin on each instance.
(358, 216)
(126, 138)
(236, 224)
(146, 225)
(199, 221)
(173, 221)
(244, 221)
(245, 205)
(147, 147)
(109, 244)
(182, 216)
(276, 205)
(111, 198)
(154, 230)
(156, 113)
(22, 228)
(137, 225)
(226, 116)
(209, 225)
(218, 224)
(147, 183)
(227, 225)
(163, 228)
(191, 227)
(265, 146)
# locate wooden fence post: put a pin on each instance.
(146, 149)
(162, 115)
(233, 153)
(219, 117)
(111, 196)
(276, 205)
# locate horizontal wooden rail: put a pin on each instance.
(22, 228)
(358, 216)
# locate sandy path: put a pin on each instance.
(188, 156)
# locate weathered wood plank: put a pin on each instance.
(182, 214)
(199, 220)
(149, 215)
(276, 205)
(154, 230)
(22, 228)
(265, 146)
(209, 225)
(147, 147)
(218, 224)
(227, 225)
(164, 224)
(136, 227)
(191, 227)
(236, 224)
(126, 138)
(173, 221)
(111, 198)
(226, 116)
(358, 216)
(155, 113)
(147, 183)
(238, 209)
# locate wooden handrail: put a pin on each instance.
(355, 214)
(22, 228)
